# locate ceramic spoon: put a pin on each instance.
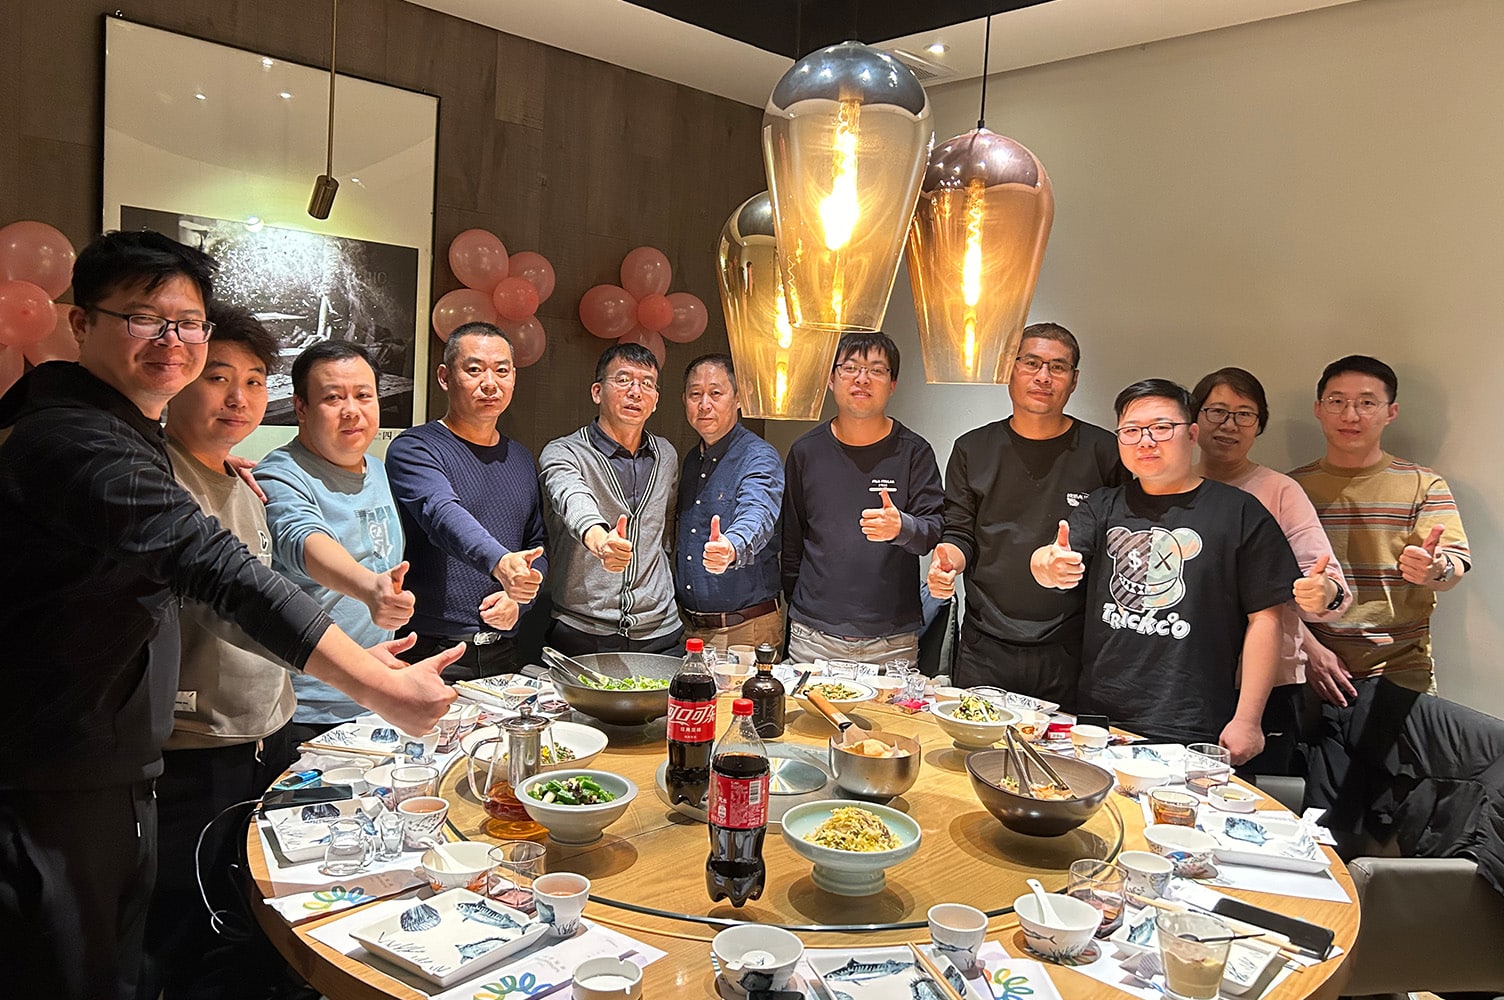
(1046, 911)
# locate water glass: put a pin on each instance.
(349, 850)
(413, 780)
(1193, 964)
(514, 866)
(1099, 883)
(389, 836)
(1206, 765)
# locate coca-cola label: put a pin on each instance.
(691, 721)
(738, 803)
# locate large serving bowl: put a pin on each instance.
(848, 873)
(584, 742)
(876, 777)
(1033, 817)
(970, 735)
(621, 708)
(577, 824)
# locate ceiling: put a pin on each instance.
(739, 50)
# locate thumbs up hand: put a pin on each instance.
(882, 524)
(719, 553)
(944, 565)
(1057, 565)
(499, 611)
(389, 604)
(612, 548)
(1315, 591)
(514, 571)
(1420, 565)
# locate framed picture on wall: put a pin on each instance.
(218, 148)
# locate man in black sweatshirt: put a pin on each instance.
(102, 548)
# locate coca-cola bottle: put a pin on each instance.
(738, 810)
(691, 728)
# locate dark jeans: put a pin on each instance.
(1281, 726)
(573, 642)
(493, 658)
(1048, 672)
(76, 870)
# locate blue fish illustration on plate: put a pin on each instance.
(383, 734)
(856, 971)
(1148, 753)
(475, 949)
(1142, 932)
(1239, 828)
(481, 913)
(925, 988)
(318, 811)
(419, 918)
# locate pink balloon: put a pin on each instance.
(528, 341)
(648, 339)
(478, 259)
(608, 311)
(461, 306)
(38, 253)
(536, 269)
(58, 345)
(26, 313)
(12, 364)
(690, 318)
(515, 299)
(646, 271)
(654, 313)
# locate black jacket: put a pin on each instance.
(101, 546)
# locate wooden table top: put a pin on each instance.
(652, 860)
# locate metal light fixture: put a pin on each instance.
(325, 187)
(781, 371)
(844, 140)
(975, 248)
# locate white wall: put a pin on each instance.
(1274, 196)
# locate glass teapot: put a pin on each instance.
(504, 762)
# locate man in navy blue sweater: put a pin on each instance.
(470, 509)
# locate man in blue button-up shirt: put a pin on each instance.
(730, 493)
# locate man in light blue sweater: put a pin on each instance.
(335, 527)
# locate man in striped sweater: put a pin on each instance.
(1394, 527)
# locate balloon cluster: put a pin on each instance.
(642, 310)
(499, 289)
(36, 266)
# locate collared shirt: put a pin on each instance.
(739, 479)
(632, 469)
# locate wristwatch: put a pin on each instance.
(1337, 601)
(1448, 572)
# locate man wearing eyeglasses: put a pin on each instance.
(103, 546)
(1184, 576)
(1392, 523)
(1007, 486)
(607, 490)
(861, 503)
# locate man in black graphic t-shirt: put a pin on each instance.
(1007, 486)
(1183, 576)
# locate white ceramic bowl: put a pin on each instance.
(1069, 936)
(591, 975)
(730, 674)
(773, 951)
(379, 782)
(577, 824)
(586, 742)
(1185, 847)
(967, 734)
(468, 871)
(1137, 775)
(1089, 737)
(352, 777)
(1031, 724)
(1229, 798)
(848, 873)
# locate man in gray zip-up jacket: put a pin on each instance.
(607, 492)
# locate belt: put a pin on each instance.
(731, 618)
(484, 637)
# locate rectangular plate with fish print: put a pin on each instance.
(451, 936)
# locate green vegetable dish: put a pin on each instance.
(580, 791)
(835, 691)
(976, 709)
(633, 683)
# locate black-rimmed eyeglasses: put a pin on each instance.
(1030, 365)
(1162, 431)
(1219, 415)
(145, 326)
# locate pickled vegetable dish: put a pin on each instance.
(578, 791)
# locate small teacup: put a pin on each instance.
(1148, 873)
(957, 931)
(422, 820)
(1089, 739)
(559, 899)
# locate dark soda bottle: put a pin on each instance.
(691, 728)
(738, 811)
(766, 692)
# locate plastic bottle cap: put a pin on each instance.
(741, 706)
(695, 646)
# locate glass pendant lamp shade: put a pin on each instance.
(975, 247)
(844, 139)
(781, 372)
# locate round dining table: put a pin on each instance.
(647, 870)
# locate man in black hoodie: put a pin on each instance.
(102, 546)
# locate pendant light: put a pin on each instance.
(781, 371)
(844, 139)
(325, 186)
(975, 247)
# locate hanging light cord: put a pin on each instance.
(986, 49)
(333, 34)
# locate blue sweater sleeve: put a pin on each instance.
(759, 497)
(292, 510)
(421, 486)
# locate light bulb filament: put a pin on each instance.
(840, 209)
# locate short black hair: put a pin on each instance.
(326, 350)
(120, 259)
(1057, 333)
(1155, 388)
(1240, 381)
(234, 325)
(632, 354)
(475, 329)
(1360, 364)
(861, 344)
(724, 360)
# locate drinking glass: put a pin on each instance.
(389, 836)
(514, 866)
(1169, 805)
(1099, 883)
(1206, 764)
(413, 780)
(1193, 964)
(349, 850)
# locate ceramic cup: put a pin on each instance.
(1089, 739)
(559, 899)
(745, 655)
(422, 820)
(1148, 874)
(957, 931)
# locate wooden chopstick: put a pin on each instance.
(935, 973)
(355, 751)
